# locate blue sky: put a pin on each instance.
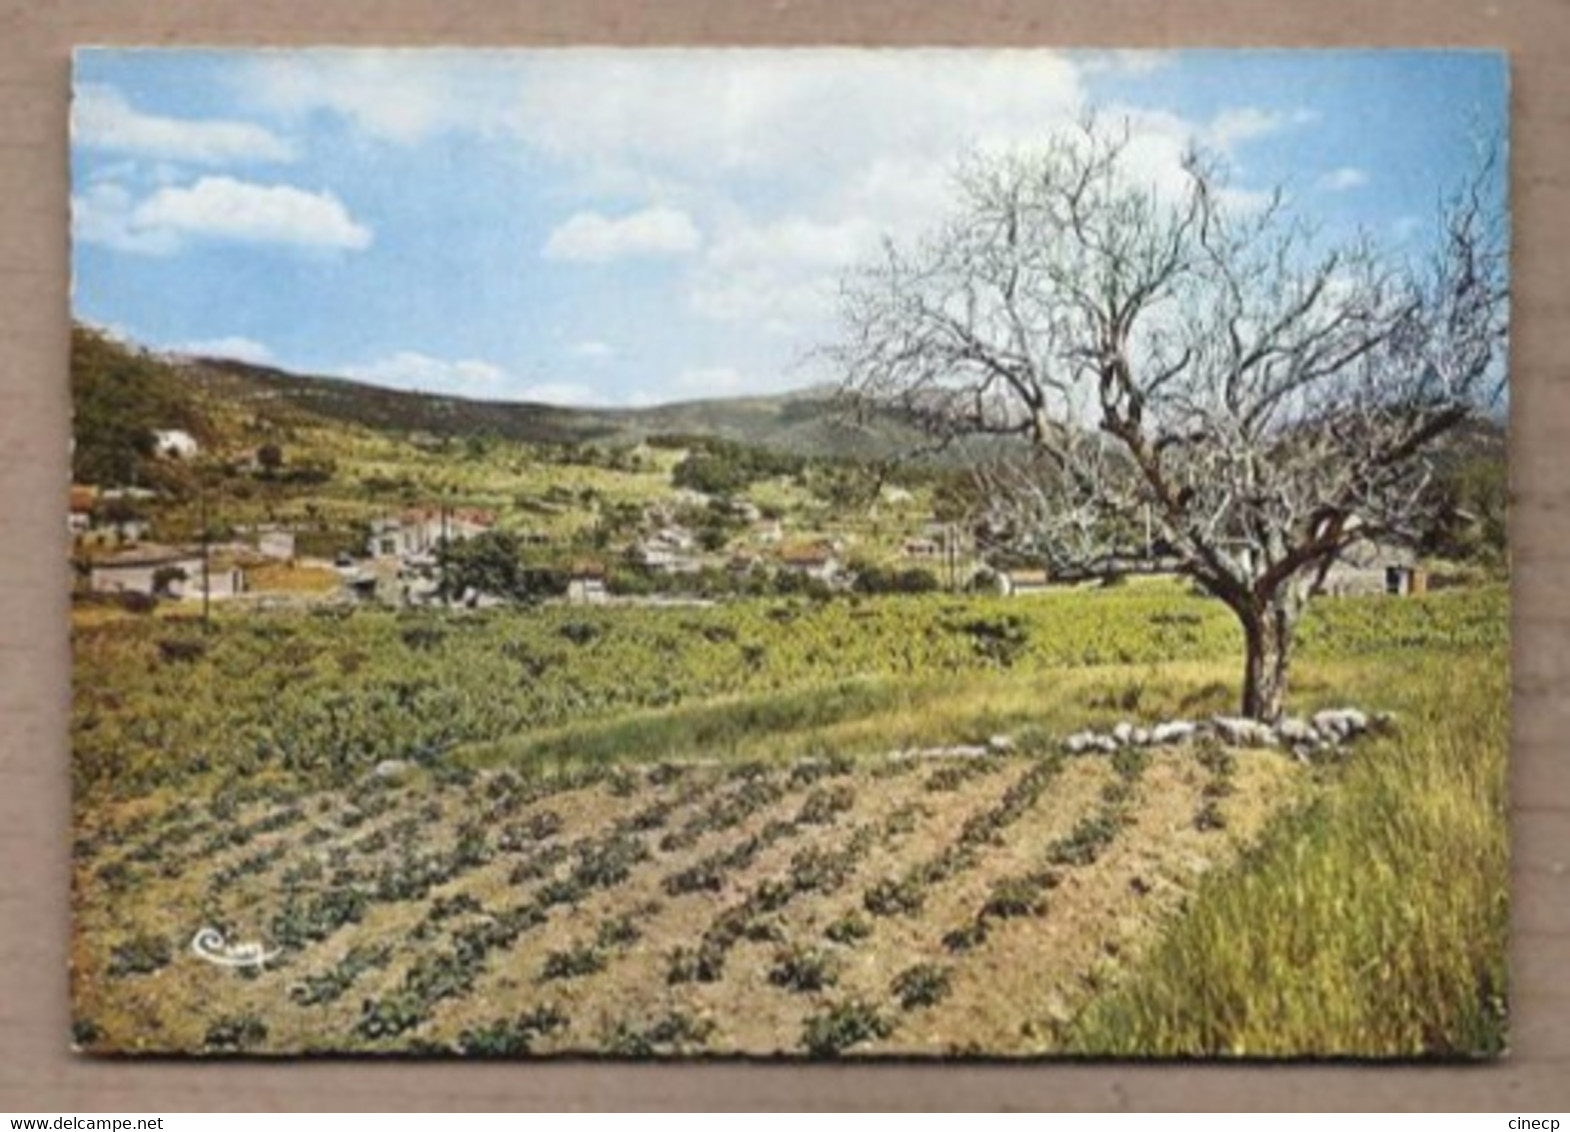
(594, 226)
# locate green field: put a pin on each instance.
(688, 831)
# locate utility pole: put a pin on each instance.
(207, 589)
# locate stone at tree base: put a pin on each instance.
(1173, 731)
(1340, 724)
(1298, 732)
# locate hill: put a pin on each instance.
(807, 422)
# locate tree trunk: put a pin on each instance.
(1267, 634)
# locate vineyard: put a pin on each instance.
(910, 906)
(704, 831)
(321, 698)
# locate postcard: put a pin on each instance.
(805, 553)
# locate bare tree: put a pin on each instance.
(1121, 357)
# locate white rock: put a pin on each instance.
(1123, 733)
(1141, 737)
(1340, 724)
(1001, 744)
(1173, 731)
(1298, 732)
(1239, 732)
(1104, 743)
(391, 768)
(1079, 742)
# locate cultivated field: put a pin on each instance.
(642, 842)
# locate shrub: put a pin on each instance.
(1015, 896)
(843, 1025)
(442, 974)
(894, 897)
(803, 969)
(182, 650)
(235, 1033)
(921, 985)
(618, 932)
(315, 990)
(814, 869)
(574, 963)
(822, 806)
(703, 964)
(1086, 841)
(967, 938)
(446, 907)
(387, 1017)
(142, 954)
(848, 929)
(512, 1037)
(676, 1032)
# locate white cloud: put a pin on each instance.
(559, 393)
(1231, 128)
(1342, 179)
(409, 369)
(761, 173)
(222, 208)
(779, 275)
(592, 351)
(102, 119)
(104, 214)
(589, 237)
(799, 114)
(234, 346)
(402, 97)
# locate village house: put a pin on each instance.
(586, 584)
(80, 516)
(277, 545)
(1018, 583)
(100, 519)
(175, 443)
(815, 560)
(668, 551)
(166, 571)
(421, 530)
(1371, 567)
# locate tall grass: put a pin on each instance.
(1372, 922)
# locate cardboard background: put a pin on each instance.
(37, 1071)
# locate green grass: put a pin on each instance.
(322, 699)
(1370, 922)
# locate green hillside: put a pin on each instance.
(808, 422)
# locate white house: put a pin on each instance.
(668, 550)
(420, 530)
(140, 569)
(586, 584)
(278, 545)
(1370, 567)
(175, 442)
(817, 561)
(1016, 583)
